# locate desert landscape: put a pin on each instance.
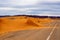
(32, 26)
(15, 23)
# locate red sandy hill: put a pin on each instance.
(15, 23)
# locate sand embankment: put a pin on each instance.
(15, 23)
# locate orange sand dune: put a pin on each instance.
(15, 23)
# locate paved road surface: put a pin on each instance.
(52, 33)
(56, 33)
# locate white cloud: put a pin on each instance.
(14, 11)
(19, 9)
(21, 2)
(25, 2)
(51, 0)
(8, 7)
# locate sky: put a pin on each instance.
(29, 7)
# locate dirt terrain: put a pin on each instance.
(29, 28)
(16, 23)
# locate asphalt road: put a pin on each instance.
(52, 33)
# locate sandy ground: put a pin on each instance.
(22, 23)
(25, 28)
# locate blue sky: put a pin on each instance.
(30, 7)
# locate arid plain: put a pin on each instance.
(29, 28)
